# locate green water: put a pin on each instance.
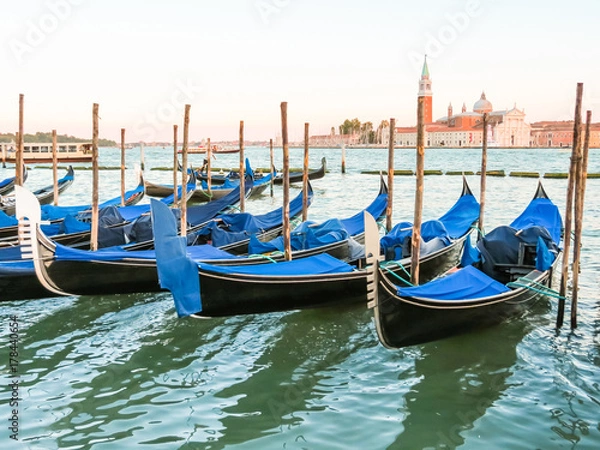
(123, 371)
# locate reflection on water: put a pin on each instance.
(120, 371)
(459, 379)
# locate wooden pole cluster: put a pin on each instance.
(390, 178)
(19, 157)
(54, 167)
(175, 168)
(122, 166)
(305, 176)
(271, 165)
(581, 171)
(186, 132)
(569, 206)
(242, 170)
(286, 184)
(94, 235)
(416, 235)
(483, 175)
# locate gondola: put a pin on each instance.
(120, 224)
(515, 269)
(218, 179)
(108, 271)
(165, 190)
(56, 214)
(113, 271)
(296, 177)
(223, 185)
(208, 290)
(44, 195)
(7, 185)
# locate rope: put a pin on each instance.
(476, 228)
(536, 287)
(258, 255)
(394, 274)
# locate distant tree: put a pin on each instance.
(382, 126)
(372, 137)
(347, 127)
(46, 137)
(365, 131)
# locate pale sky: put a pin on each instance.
(330, 60)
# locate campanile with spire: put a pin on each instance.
(426, 93)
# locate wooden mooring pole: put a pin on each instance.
(54, 168)
(271, 163)
(94, 235)
(305, 176)
(581, 171)
(343, 158)
(483, 179)
(242, 170)
(390, 176)
(142, 155)
(175, 166)
(569, 207)
(416, 235)
(208, 166)
(19, 156)
(287, 248)
(122, 166)
(186, 134)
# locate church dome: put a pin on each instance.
(482, 105)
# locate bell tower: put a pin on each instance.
(425, 91)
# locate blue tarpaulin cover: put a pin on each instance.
(199, 214)
(356, 224)
(195, 252)
(311, 235)
(541, 212)
(7, 181)
(51, 212)
(7, 221)
(466, 283)
(306, 236)
(461, 216)
(470, 253)
(312, 265)
(543, 257)
(452, 225)
(176, 272)
(235, 227)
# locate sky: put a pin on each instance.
(330, 60)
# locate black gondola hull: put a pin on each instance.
(403, 321)
(227, 295)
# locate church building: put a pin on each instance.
(506, 128)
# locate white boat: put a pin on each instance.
(42, 153)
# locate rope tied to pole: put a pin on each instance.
(535, 287)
